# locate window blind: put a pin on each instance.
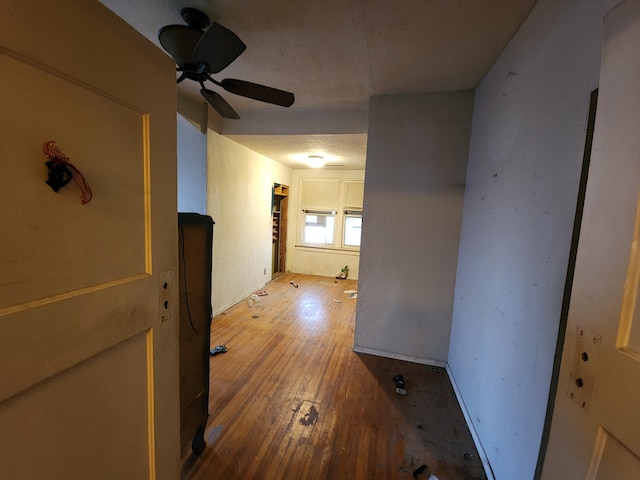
(353, 213)
(354, 195)
(320, 195)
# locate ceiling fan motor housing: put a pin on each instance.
(195, 18)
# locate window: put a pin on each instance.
(318, 227)
(352, 228)
(330, 215)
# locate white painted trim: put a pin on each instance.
(399, 356)
(437, 363)
(244, 298)
(474, 434)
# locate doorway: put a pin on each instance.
(279, 233)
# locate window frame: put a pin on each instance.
(319, 213)
(350, 213)
(341, 200)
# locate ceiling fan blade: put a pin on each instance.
(218, 47)
(258, 92)
(219, 104)
(180, 41)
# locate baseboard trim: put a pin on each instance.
(399, 356)
(474, 434)
(244, 298)
(463, 407)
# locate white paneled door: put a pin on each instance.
(88, 292)
(595, 430)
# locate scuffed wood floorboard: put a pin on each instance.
(291, 400)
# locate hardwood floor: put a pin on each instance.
(291, 400)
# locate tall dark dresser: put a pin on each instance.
(195, 242)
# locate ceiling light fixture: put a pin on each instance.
(315, 161)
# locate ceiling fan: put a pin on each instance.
(200, 49)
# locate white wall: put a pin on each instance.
(525, 157)
(414, 187)
(313, 261)
(240, 189)
(192, 168)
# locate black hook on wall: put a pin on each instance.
(61, 172)
(59, 175)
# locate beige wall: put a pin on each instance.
(239, 196)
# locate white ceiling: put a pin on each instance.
(334, 55)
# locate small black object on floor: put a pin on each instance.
(422, 469)
(399, 381)
(217, 350)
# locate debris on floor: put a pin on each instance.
(399, 381)
(421, 473)
(417, 473)
(344, 273)
(351, 293)
(261, 293)
(217, 350)
(253, 298)
(294, 284)
(336, 300)
(255, 315)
